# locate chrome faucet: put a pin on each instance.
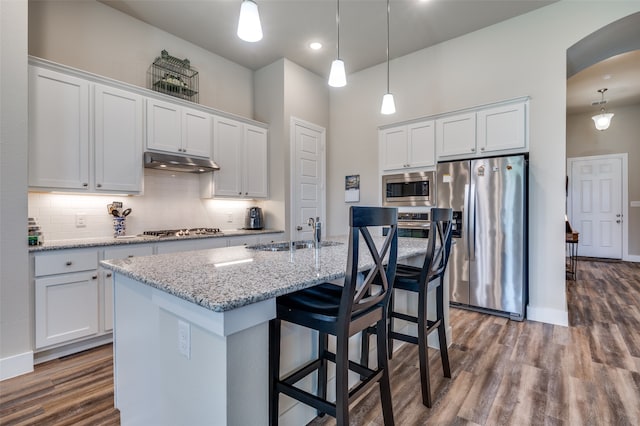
(317, 230)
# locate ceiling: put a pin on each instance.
(290, 25)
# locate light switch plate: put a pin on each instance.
(81, 220)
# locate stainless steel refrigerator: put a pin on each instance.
(488, 264)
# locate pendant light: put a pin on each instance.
(249, 27)
(602, 120)
(337, 75)
(388, 104)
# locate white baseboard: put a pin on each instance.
(632, 258)
(547, 315)
(16, 365)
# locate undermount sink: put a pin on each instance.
(286, 245)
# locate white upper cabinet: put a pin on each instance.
(176, 129)
(255, 175)
(408, 146)
(456, 134)
(241, 152)
(118, 140)
(502, 128)
(495, 129)
(196, 132)
(58, 130)
(227, 153)
(79, 142)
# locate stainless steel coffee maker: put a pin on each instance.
(254, 218)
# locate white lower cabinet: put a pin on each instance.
(65, 303)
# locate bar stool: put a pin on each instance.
(422, 281)
(341, 311)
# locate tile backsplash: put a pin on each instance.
(170, 201)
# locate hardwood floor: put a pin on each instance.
(504, 372)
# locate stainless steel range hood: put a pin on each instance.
(176, 163)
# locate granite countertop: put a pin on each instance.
(141, 239)
(227, 278)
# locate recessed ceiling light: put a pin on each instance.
(315, 45)
(606, 77)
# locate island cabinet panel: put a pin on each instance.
(118, 140)
(106, 290)
(58, 130)
(179, 130)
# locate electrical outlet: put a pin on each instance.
(184, 339)
(229, 217)
(81, 220)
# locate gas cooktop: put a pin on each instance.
(183, 232)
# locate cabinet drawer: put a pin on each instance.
(65, 261)
(129, 251)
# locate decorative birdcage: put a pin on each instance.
(173, 76)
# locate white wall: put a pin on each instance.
(522, 56)
(283, 90)
(16, 331)
(94, 37)
(621, 137)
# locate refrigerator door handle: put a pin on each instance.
(465, 226)
(471, 237)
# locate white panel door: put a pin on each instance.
(227, 153)
(421, 144)
(255, 180)
(596, 210)
(308, 178)
(66, 307)
(456, 135)
(502, 128)
(393, 143)
(58, 130)
(164, 126)
(118, 140)
(196, 133)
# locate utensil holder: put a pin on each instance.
(119, 226)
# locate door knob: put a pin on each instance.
(298, 228)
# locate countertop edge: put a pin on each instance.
(109, 241)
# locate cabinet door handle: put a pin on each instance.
(69, 263)
(473, 150)
(109, 275)
(240, 193)
(98, 185)
(482, 149)
(95, 277)
(130, 256)
(85, 184)
(246, 193)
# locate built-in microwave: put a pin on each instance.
(409, 189)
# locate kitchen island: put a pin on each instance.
(191, 330)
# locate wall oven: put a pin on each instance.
(412, 225)
(409, 189)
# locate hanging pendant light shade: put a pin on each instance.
(602, 120)
(388, 103)
(249, 27)
(337, 75)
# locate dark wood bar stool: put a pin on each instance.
(341, 311)
(422, 281)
